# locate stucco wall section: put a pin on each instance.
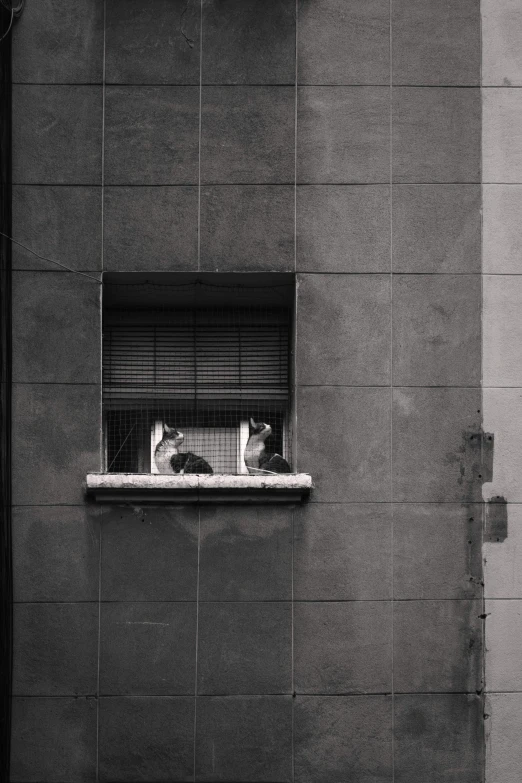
(502, 377)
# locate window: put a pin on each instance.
(201, 357)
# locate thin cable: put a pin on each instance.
(9, 28)
(122, 445)
(51, 261)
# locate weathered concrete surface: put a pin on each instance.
(502, 327)
(382, 529)
(56, 553)
(326, 117)
(436, 43)
(502, 571)
(343, 228)
(502, 379)
(436, 136)
(144, 736)
(502, 229)
(150, 229)
(244, 738)
(155, 43)
(264, 235)
(501, 37)
(501, 135)
(55, 739)
(503, 747)
(436, 228)
(245, 553)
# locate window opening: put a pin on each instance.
(191, 372)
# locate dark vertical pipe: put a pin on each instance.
(6, 580)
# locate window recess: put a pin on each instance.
(190, 364)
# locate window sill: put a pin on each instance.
(149, 488)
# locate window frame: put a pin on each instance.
(252, 282)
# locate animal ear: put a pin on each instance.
(253, 424)
(166, 429)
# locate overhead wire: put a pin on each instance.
(15, 10)
(50, 260)
(9, 27)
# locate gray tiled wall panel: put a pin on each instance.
(247, 42)
(153, 43)
(56, 552)
(151, 135)
(343, 330)
(438, 737)
(244, 648)
(150, 229)
(435, 42)
(263, 235)
(58, 42)
(57, 134)
(437, 551)
(245, 554)
(345, 443)
(436, 447)
(343, 135)
(42, 220)
(247, 738)
(436, 330)
(247, 135)
(54, 739)
(162, 634)
(168, 535)
(436, 228)
(56, 441)
(149, 738)
(437, 646)
(343, 647)
(342, 552)
(340, 736)
(343, 228)
(55, 649)
(436, 134)
(56, 328)
(355, 35)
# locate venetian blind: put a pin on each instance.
(189, 355)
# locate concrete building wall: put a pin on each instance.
(502, 377)
(341, 639)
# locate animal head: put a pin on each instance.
(260, 431)
(173, 435)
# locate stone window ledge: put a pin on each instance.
(153, 488)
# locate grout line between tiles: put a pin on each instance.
(199, 131)
(197, 643)
(98, 656)
(461, 503)
(288, 601)
(246, 85)
(294, 404)
(301, 694)
(392, 564)
(101, 452)
(288, 184)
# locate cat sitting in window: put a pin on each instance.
(257, 459)
(169, 459)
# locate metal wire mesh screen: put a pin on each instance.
(187, 382)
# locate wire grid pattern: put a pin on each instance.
(201, 368)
